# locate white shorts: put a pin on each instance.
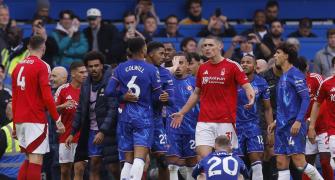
(33, 137)
(321, 145)
(67, 155)
(332, 145)
(205, 133)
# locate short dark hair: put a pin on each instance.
(67, 11)
(330, 32)
(277, 20)
(190, 2)
(128, 13)
(185, 41)
(150, 17)
(271, 4)
(154, 45)
(193, 55)
(171, 16)
(76, 64)
(222, 141)
(333, 61)
(94, 55)
(35, 42)
(291, 51)
(258, 11)
(135, 45)
(305, 23)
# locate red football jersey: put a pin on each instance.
(63, 94)
(32, 92)
(327, 93)
(314, 81)
(218, 90)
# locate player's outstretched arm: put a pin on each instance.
(250, 95)
(311, 128)
(191, 102)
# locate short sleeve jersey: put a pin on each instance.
(183, 89)
(262, 92)
(66, 93)
(218, 90)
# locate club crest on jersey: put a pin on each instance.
(102, 92)
(189, 88)
(223, 71)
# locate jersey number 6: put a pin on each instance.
(134, 87)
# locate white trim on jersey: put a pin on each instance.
(317, 77)
(327, 79)
(60, 88)
(237, 64)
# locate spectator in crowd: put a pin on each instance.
(14, 54)
(305, 26)
(261, 66)
(259, 27)
(96, 119)
(5, 24)
(130, 26)
(171, 27)
(50, 43)
(246, 47)
(270, 41)
(43, 8)
(323, 58)
(188, 45)
(271, 11)
(71, 42)
(170, 51)
(194, 9)
(218, 26)
(5, 98)
(150, 28)
(103, 37)
(144, 9)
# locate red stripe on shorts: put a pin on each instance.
(37, 142)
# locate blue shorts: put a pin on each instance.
(94, 149)
(122, 156)
(160, 139)
(286, 144)
(130, 136)
(250, 138)
(181, 145)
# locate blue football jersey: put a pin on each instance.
(221, 165)
(167, 86)
(262, 92)
(144, 81)
(183, 88)
(292, 98)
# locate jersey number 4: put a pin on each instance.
(134, 87)
(20, 81)
(216, 161)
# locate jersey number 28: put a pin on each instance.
(216, 161)
(134, 87)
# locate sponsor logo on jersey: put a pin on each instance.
(206, 72)
(69, 97)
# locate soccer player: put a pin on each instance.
(136, 128)
(221, 164)
(247, 122)
(155, 56)
(67, 99)
(194, 62)
(292, 103)
(31, 95)
(216, 87)
(325, 94)
(314, 81)
(182, 140)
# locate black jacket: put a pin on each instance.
(106, 115)
(109, 39)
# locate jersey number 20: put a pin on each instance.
(134, 87)
(216, 161)
(21, 80)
